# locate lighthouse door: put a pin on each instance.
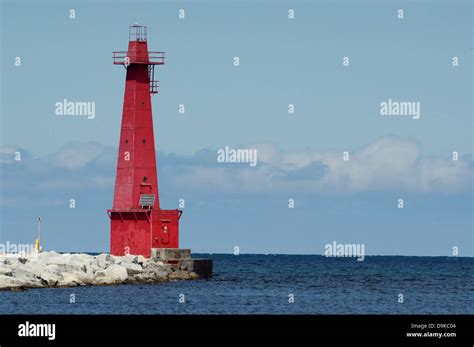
(165, 232)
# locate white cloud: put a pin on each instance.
(387, 164)
(51, 180)
(7, 155)
(77, 154)
(393, 163)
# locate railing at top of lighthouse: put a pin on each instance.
(138, 33)
(127, 58)
(138, 54)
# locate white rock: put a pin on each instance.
(145, 277)
(141, 260)
(128, 258)
(117, 273)
(131, 268)
(23, 260)
(84, 278)
(27, 274)
(156, 271)
(54, 269)
(72, 268)
(93, 269)
(99, 274)
(49, 269)
(103, 281)
(8, 282)
(50, 279)
(68, 280)
(81, 258)
(104, 260)
(57, 259)
(5, 270)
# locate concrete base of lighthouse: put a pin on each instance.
(181, 259)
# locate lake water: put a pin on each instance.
(254, 284)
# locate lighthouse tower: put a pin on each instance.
(138, 224)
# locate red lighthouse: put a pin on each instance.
(138, 224)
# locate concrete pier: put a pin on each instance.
(181, 259)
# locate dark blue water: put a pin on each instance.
(262, 283)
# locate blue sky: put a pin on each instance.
(283, 61)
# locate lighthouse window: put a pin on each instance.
(145, 179)
(144, 141)
(126, 141)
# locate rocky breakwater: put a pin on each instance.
(50, 269)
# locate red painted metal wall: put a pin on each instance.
(136, 165)
(130, 234)
(136, 229)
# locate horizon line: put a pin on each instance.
(297, 254)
